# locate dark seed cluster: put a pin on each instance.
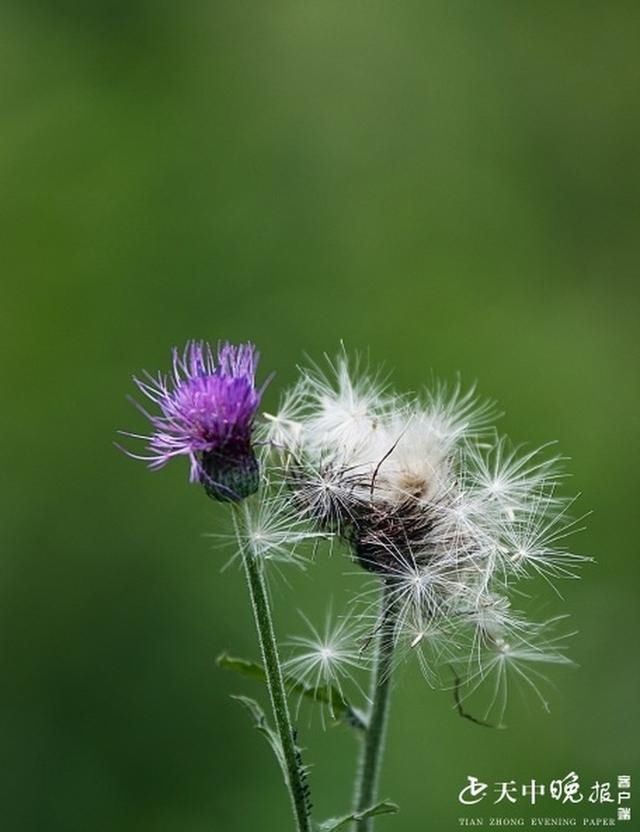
(382, 534)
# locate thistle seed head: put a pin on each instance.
(432, 501)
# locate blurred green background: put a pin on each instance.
(451, 185)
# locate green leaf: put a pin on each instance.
(327, 695)
(262, 726)
(384, 808)
(244, 667)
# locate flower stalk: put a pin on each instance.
(367, 778)
(294, 773)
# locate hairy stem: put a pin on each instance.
(373, 742)
(296, 783)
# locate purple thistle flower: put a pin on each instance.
(207, 406)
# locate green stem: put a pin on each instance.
(264, 625)
(373, 744)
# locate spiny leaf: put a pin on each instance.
(383, 808)
(324, 695)
(260, 723)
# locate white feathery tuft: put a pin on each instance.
(432, 501)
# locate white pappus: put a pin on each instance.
(434, 504)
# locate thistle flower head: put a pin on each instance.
(206, 405)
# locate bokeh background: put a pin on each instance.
(452, 186)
